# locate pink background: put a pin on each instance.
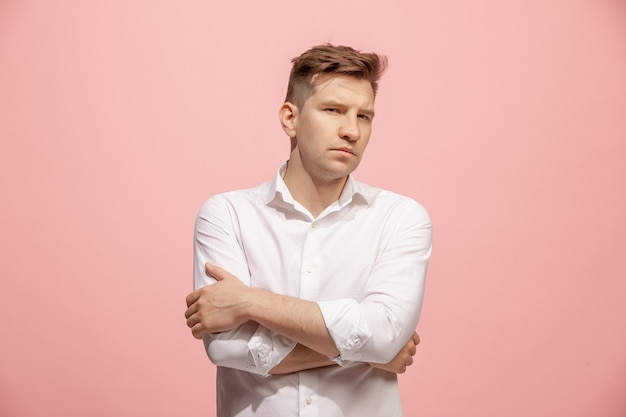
(507, 120)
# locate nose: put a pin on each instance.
(349, 129)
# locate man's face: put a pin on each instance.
(333, 126)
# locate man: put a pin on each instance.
(309, 287)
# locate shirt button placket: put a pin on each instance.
(309, 285)
(309, 289)
(308, 397)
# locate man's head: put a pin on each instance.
(328, 112)
(331, 60)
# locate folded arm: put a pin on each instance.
(262, 332)
(229, 303)
(302, 358)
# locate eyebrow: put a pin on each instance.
(335, 103)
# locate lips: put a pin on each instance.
(345, 150)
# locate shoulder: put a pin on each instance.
(391, 204)
(235, 199)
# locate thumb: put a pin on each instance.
(416, 338)
(215, 271)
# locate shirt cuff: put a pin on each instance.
(346, 326)
(268, 349)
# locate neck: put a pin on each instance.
(314, 194)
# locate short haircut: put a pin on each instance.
(331, 59)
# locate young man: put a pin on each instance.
(309, 287)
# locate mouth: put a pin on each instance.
(347, 151)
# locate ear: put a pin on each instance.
(287, 115)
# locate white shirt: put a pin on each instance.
(363, 260)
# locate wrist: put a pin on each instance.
(252, 303)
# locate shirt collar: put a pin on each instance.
(277, 192)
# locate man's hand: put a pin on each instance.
(218, 307)
(229, 303)
(403, 359)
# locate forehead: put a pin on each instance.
(342, 88)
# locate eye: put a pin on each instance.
(364, 117)
(332, 110)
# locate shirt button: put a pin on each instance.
(314, 225)
(309, 269)
(308, 400)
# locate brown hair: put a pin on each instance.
(331, 59)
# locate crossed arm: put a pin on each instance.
(249, 328)
(229, 303)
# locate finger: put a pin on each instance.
(197, 331)
(192, 321)
(192, 298)
(191, 310)
(416, 338)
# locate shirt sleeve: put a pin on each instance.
(375, 328)
(250, 347)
